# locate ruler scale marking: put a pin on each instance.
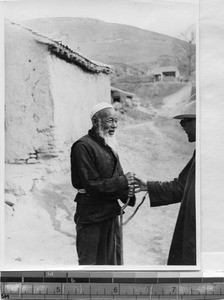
(66, 285)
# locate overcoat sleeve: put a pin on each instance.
(169, 192)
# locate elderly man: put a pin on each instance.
(181, 189)
(97, 174)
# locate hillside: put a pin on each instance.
(132, 51)
(108, 42)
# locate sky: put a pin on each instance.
(171, 17)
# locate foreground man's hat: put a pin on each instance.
(188, 112)
(98, 107)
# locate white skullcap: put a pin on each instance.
(99, 106)
(188, 112)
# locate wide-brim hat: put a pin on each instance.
(189, 111)
(98, 107)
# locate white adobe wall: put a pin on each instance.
(47, 99)
(74, 92)
(28, 100)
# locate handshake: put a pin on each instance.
(135, 184)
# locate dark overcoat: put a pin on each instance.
(181, 189)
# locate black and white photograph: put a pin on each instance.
(101, 115)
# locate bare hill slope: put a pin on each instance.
(107, 42)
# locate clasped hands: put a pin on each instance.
(135, 184)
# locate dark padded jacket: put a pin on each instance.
(97, 169)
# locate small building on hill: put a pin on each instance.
(49, 91)
(170, 73)
(122, 99)
(120, 96)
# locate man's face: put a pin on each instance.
(189, 126)
(107, 121)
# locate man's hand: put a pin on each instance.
(130, 178)
(140, 185)
(131, 181)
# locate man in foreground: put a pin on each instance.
(97, 174)
(181, 189)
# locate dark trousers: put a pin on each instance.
(99, 243)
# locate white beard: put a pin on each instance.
(110, 140)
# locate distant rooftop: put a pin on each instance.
(164, 69)
(113, 89)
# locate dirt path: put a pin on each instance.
(144, 152)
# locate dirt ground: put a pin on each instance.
(40, 230)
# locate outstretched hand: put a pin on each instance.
(135, 184)
(140, 185)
